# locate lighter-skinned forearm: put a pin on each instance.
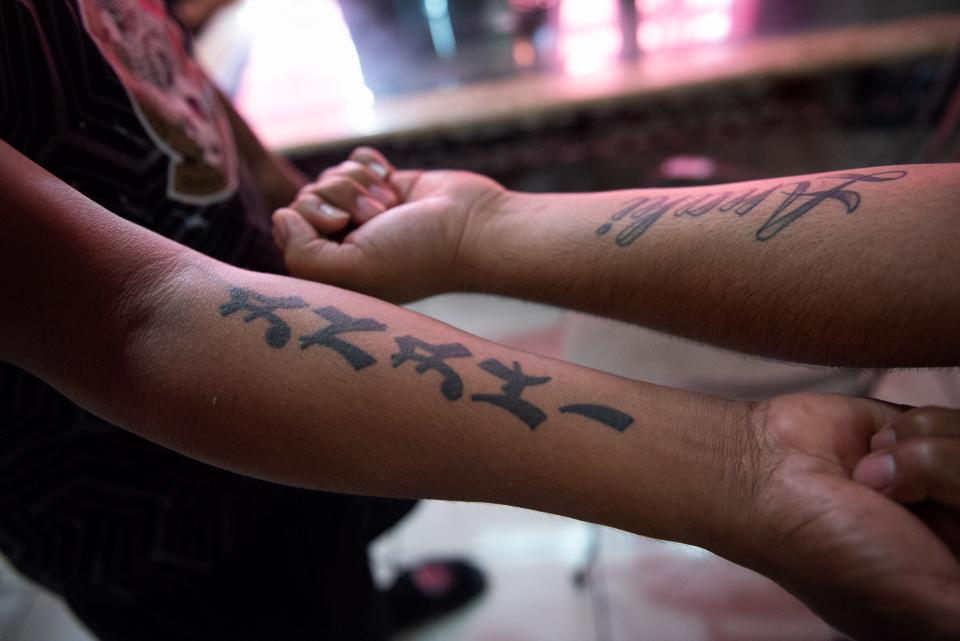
(853, 268)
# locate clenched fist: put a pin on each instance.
(410, 231)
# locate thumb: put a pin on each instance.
(310, 256)
(404, 182)
(291, 228)
(915, 470)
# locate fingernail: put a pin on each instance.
(883, 439)
(368, 207)
(288, 229)
(332, 212)
(309, 204)
(296, 227)
(382, 195)
(378, 169)
(875, 472)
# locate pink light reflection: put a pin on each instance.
(303, 70)
(590, 38)
(672, 24)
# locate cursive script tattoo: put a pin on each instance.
(643, 213)
(793, 201)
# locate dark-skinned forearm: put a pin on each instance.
(850, 268)
(305, 384)
(367, 411)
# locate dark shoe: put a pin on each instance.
(431, 590)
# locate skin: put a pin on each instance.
(819, 290)
(131, 326)
(913, 460)
(434, 240)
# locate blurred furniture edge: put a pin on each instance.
(536, 97)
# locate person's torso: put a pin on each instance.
(104, 95)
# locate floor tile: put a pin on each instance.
(671, 592)
(49, 620)
(529, 559)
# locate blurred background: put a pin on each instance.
(583, 95)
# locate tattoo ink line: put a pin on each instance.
(515, 382)
(644, 211)
(781, 219)
(263, 307)
(452, 385)
(602, 414)
(341, 323)
(427, 356)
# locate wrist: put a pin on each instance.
(727, 492)
(486, 263)
(730, 527)
(693, 473)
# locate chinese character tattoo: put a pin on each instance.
(341, 323)
(260, 307)
(602, 414)
(431, 357)
(515, 382)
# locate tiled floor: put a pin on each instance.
(29, 614)
(638, 589)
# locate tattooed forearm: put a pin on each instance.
(602, 414)
(433, 359)
(428, 357)
(341, 323)
(516, 382)
(641, 214)
(793, 201)
(262, 307)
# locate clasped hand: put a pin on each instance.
(852, 505)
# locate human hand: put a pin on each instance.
(355, 191)
(916, 460)
(414, 237)
(867, 564)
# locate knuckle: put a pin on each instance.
(919, 454)
(340, 184)
(310, 188)
(924, 420)
(359, 173)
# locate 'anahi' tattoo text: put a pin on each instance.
(446, 361)
(793, 201)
